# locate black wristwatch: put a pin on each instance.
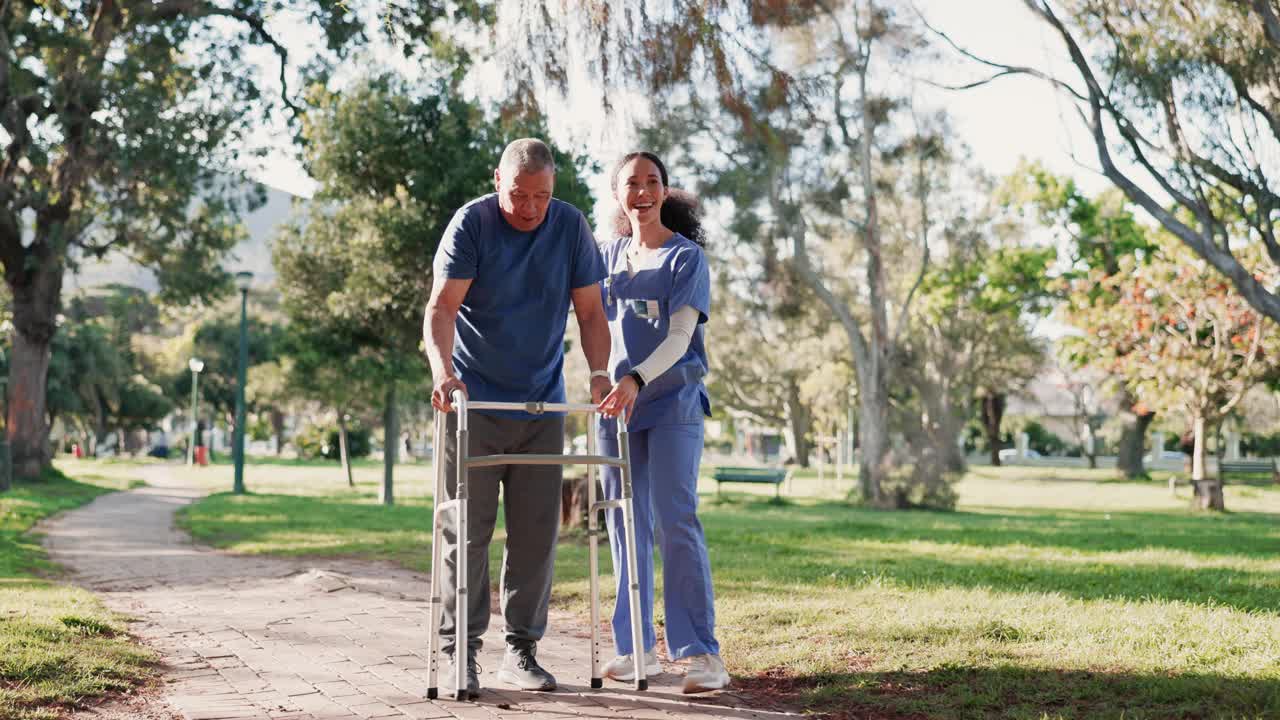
(636, 376)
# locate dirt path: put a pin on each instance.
(269, 638)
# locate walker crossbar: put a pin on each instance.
(534, 408)
(458, 505)
(531, 459)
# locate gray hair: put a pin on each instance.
(527, 155)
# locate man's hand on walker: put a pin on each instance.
(600, 386)
(442, 393)
(622, 397)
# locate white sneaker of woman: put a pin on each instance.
(623, 669)
(706, 673)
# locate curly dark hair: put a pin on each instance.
(681, 211)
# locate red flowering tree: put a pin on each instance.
(1180, 336)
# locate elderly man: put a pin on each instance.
(508, 267)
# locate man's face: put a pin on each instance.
(524, 197)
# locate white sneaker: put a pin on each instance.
(623, 669)
(706, 672)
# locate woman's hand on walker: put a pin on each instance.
(622, 397)
(442, 393)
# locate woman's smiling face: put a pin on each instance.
(640, 191)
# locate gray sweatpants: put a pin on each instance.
(531, 504)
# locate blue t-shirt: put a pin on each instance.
(639, 309)
(508, 345)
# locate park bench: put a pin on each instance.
(776, 476)
(1265, 466)
(1227, 468)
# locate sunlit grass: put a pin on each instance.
(1047, 593)
(58, 644)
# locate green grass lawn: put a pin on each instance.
(58, 644)
(1049, 593)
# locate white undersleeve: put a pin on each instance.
(673, 346)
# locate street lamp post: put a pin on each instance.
(196, 366)
(243, 279)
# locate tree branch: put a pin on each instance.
(1270, 20)
(819, 287)
(1004, 69)
(1258, 296)
(170, 9)
(1242, 89)
(922, 188)
(1255, 344)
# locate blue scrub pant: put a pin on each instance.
(664, 482)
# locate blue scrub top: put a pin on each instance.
(639, 309)
(508, 343)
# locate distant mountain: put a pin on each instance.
(253, 254)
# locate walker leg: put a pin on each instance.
(633, 589)
(462, 606)
(593, 552)
(437, 554)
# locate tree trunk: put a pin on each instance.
(942, 426)
(342, 448)
(277, 424)
(1089, 443)
(390, 443)
(873, 438)
(28, 433)
(1133, 441)
(1208, 492)
(945, 439)
(573, 501)
(799, 421)
(34, 278)
(992, 415)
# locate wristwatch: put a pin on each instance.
(634, 375)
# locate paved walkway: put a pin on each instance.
(270, 638)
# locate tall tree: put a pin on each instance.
(268, 393)
(1183, 103)
(98, 378)
(812, 85)
(322, 367)
(1181, 338)
(120, 123)
(973, 341)
(1099, 233)
(761, 361)
(216, 341)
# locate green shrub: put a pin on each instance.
(1259, 445)
(1042, 440)
(316, 441)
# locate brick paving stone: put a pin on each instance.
(424, 711)
(374, 710)
(338, 689)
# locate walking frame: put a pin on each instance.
(458, 506)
